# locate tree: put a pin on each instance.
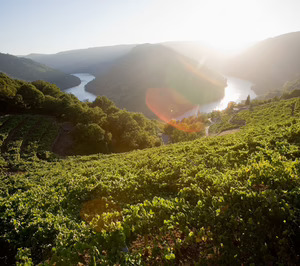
(31, 95)
(105, 104)
(248, 100)
(46, 88)
(230, 107)
(91, 138)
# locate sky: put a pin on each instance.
(51, 26)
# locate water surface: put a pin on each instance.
(79, 91)
(237, 90)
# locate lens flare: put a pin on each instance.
(202, 73)
(186, 86)
(168, 105)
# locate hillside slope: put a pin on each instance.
(91, 60)
(270, 63)
(203, 54)
(97, 127)
(228, 200)
(155, 69)
(26, 69)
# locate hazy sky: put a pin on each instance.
(50, 26)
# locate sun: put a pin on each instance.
(229, 26)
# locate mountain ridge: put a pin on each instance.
(269, 63)
(82, 60)
(29, 70)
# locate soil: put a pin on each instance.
(230, 131)
(64, 141)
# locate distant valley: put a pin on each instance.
(124, 73)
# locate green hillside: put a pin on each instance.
(26, 69)
(225, 200)
(88, 127)
(25, 138)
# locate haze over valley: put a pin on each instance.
(268, 65)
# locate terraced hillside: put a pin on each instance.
(225, 200)
(25, 138)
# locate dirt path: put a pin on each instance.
(230, 131)
(207, 128)
(223, 133)
(64, 141)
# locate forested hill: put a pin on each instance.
(95, 127)
(269, 64)
(150, 66)
(26, 69)
(91, 60)
(226, 200)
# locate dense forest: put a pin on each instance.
(218, 200)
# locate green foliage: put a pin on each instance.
(105, 104)
(225, 200)
(91, 137)
(8, 86)
(32, 97)
(223, 122)
(292, 85)
(291, 94)
(120, 130)
(187, 129)
(47, 88)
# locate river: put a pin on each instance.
(237, 90)
(79, 91)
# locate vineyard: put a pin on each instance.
(25, 138)
(224, 200)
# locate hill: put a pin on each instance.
(270, 63)
(155, 69)
(226, 200)
(203, 54)
(26, 69)
(93, 127)
(91, 60)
